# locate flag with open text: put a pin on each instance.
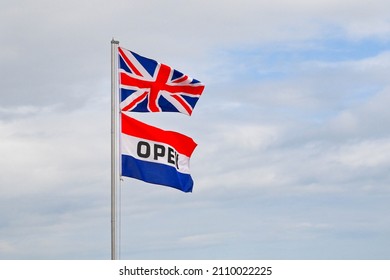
(156, 156)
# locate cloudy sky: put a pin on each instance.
(293, 134)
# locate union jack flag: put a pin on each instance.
(149, 86)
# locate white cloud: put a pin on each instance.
(48, 149)
(6, 247)
(209, 239)
(366, 154)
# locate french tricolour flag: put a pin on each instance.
(156, 156)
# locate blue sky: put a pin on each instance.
(292, 130)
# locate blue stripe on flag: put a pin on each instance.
(156, 173)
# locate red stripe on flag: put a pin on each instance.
(183, 103)
(181, 143)
(182, 79)
(129, 63)
(135, 101)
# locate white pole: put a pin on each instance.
(114, 145)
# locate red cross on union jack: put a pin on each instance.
(149, 86)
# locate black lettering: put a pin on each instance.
(159, 151)
(171, 155)
(143, 152)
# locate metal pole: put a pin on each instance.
(114, 145)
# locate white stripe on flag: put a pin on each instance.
(157, 152)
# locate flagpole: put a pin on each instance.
(114, 146)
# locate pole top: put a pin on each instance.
(114, 42)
